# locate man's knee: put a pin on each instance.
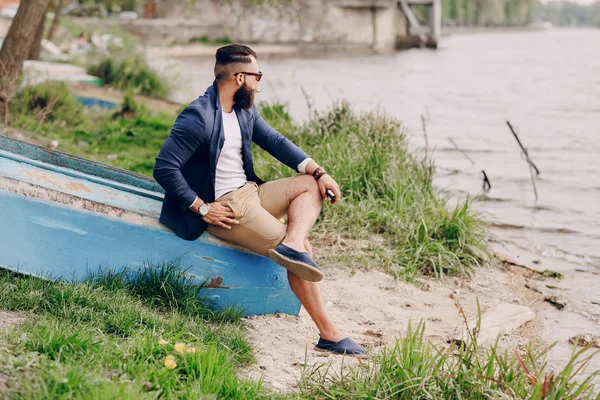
(304, 184)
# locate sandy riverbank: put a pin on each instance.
(576, 309)
(375, 309)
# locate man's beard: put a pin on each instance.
(244, 97)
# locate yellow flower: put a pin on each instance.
(282, 220)
(162, 342)
(170, 362)
(192, 350)
(179, 348)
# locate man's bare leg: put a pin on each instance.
(304, 209)
(309, 294)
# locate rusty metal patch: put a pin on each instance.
(216, 283)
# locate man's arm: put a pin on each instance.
(276, 144)
(291, 155)
(186, 137)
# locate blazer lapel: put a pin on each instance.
(216, 143)
(246, 143)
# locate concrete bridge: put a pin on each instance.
(380, 25)
(393, 22)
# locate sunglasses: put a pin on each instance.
(258, 75)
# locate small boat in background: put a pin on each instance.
(64, 217)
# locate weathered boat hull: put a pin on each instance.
(63, 217)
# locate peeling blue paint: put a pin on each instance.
(52, 159)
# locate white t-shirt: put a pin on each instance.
(230, 173)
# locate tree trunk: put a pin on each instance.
(17, 45)
(56, 20)
(36, 47)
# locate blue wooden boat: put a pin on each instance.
(64, 217)
(94, 102)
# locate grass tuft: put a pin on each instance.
(416, 369)
(102, 340)
(214, 42)
(165, 286)
(52, 101)
(130, 73)
(131, 143)
(386, 191)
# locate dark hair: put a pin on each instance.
(231, 54)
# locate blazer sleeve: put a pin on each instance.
(276, 144)
(187, 135)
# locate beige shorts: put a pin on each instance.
(258, 208)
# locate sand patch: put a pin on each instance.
(374, 309)
(9, 319)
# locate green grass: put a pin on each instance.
(101, 340)
(213, 42)
(166, 286)
(416, 369)
(47, 103)
(120, 62)
(131, 143)
(110, 337)
(386, 191)
(130, 73)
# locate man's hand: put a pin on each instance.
(327, 182)
(220, 215)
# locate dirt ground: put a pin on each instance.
(11, 318)
(374, 309)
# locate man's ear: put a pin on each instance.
(239, 79)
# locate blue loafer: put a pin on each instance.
(345, 346)
(300, 264)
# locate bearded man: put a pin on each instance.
(205, 167)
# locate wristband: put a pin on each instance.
(319, 172)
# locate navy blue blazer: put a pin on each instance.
(186, 164)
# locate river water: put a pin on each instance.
(547, 83)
